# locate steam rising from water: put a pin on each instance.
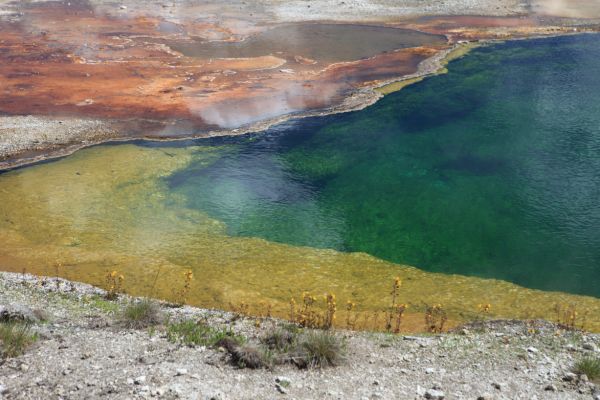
(272, 103)
(568, 8)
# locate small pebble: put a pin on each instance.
(569, 377)
(550, 388)
(433, 394)
(590, 346)
(283, 381)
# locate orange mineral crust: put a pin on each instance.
(163, 71)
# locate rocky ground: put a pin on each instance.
(83, 351)
(20, 134)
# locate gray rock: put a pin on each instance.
(532, 350)
(139, 380)
(569, 377)
(17, 312)
(283, 381)
(590, 346)
(429, 371)
(550, 388)
(3, 389)
(280, 388)
(181, 372)
(433, 394)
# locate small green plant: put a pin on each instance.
(142, 314)
(589, 366)
(318, 349)
(15, 338)
(191, 333)
(102, 304)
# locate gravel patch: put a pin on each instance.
(84, 353)
(21, 134)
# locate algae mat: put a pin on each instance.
(110, 208)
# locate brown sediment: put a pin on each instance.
(76, 60)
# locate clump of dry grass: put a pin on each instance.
(246, 355)
(311, 349)
(589, 366)
(142, 314)
(280, 340)
(15, 337)
(318, 349)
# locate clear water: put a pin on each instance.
(491, 170)
(323, 42)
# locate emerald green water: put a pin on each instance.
(490, 170)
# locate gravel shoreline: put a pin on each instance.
(83, 352)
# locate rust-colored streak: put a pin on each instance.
(78, 63)
(63, 59)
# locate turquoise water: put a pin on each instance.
(490, 170)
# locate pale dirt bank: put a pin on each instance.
(83, 353)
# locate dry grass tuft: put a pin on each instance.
(280, 340)
(15, 337)
(245, 356)
(318, 349)
(589, 366)
(142, 314)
